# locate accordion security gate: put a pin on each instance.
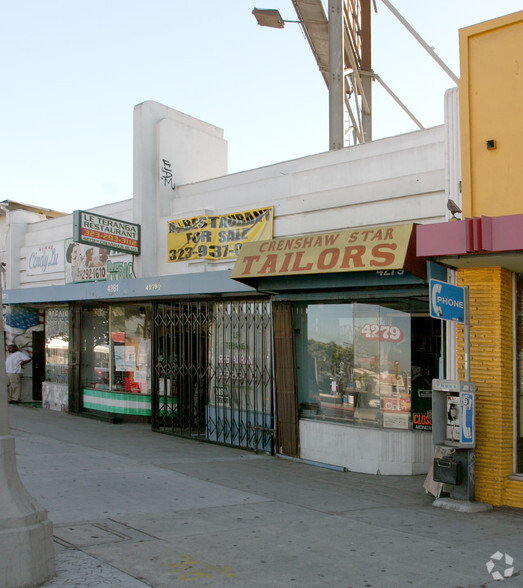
(213, 374)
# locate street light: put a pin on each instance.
(270, 18)
(332, 60)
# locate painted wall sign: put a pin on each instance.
(217, 236)
(375, 248)
(103, 231)
(45, 260)
(91, 264)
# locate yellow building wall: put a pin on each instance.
(492, 370)
(491, 98)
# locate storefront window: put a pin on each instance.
(354, 364)
(116, 348)
(56, 345)
(95, 348)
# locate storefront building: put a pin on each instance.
(485, 249)
(168, 336)
(351, 323)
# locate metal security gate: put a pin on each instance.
(213, 375)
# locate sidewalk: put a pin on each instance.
(134, 508)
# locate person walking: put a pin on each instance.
(13, 366)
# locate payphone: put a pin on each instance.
(453, 413)
(454, 428)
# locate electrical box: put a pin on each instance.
(453, 413)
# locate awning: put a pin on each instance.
(193, 284)
(370, 249)
(474, 242)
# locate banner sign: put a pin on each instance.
(356, 250)
(102, 231)
(91, 264)
(217, 236)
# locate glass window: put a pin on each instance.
(95, 373)
(131, 348)
(116, 348)
(57, 345)
(354, 363)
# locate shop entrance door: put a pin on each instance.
(212, 376)
(38, 364)
(180, 377)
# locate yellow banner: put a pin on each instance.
(374, 248)
(217, 236)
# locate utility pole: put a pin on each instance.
(336, 77)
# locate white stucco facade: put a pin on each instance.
(402, 179)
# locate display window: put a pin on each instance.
(57, 345)
(116, 348)
(354, 364)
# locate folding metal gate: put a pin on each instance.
(213, 375)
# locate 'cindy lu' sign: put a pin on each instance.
(45, 260)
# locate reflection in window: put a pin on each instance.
(131, 348)
(116, 347)
(56, 345)
(95, 348)
(354, 363)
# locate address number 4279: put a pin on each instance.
(373, 332)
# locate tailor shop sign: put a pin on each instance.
(355, 250)
(217, 236)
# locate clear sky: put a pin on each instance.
(73, 71)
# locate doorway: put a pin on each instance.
(212, 377)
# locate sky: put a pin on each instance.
(73, 71)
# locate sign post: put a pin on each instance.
(450, 303)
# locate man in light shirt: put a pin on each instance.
(13, 366)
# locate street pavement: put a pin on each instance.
(133, 508)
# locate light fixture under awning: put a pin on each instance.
(355, 250)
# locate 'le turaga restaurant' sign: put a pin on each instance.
(355, 250)
(103, 231)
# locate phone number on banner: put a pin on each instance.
(212, 251)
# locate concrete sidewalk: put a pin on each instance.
(135, 508)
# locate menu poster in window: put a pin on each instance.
(119, 358)
(143, 352)
(130, 358)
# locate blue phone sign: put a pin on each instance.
(447, 302)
